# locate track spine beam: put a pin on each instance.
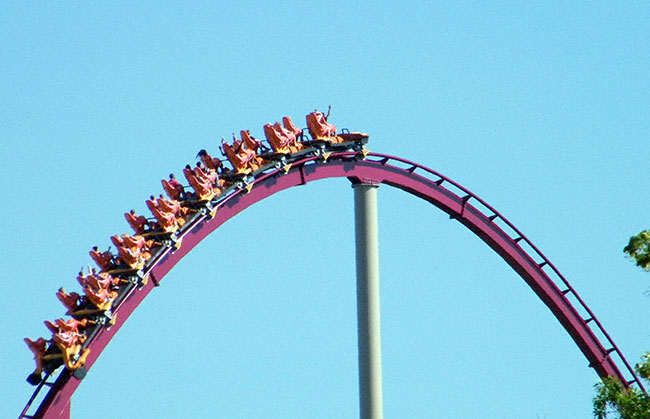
(426, 184)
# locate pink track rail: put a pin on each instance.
(462, 205)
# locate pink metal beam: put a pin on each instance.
(427, 184)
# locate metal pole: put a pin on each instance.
(368, 315)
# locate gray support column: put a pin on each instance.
(368, 315)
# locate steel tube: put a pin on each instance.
(368, 309)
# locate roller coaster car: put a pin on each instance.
(243, 159)
(134, 260)
(47, 356)
(281, 140)
(204, 190)
(173, 188)
(320, 129)
(289, 126)
(233, 178)
(66, 326)
(39, 348)
(238, 158)
(80, 307)
(348, 141)
(163, 238)
(71, 301)
(68, 337)
(354, 141)
(102, 299)
(356, 137)
(104, 260)
(70, 346)
(251, 143)
(90, 311)
(167, 222)
(138, 241)
(208, 161)
(133, 257)
(99, 280)
(205, 174)
(173, 206)
(138, 223)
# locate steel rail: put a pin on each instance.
(545, 261)
(460, 204)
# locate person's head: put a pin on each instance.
(171, 176)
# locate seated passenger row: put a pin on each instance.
(101, 288)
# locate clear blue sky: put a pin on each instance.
(542, 109)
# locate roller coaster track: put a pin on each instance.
(462, 205)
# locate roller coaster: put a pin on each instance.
(289, 157)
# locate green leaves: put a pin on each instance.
(613, 399)
(643, 368)
(639, 249)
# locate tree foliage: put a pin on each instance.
(643, 368)
(612, 399)
(638, 249)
